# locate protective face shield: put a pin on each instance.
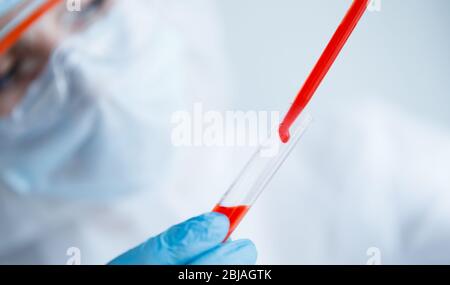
(8, 5)
(97, 118)
(29, 32)
(16, 17)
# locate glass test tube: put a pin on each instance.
(256, 175)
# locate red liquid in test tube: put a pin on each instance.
(234, 214)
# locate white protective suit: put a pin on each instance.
(181, 68)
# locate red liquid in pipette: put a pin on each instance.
(234, 214)
(324, 64)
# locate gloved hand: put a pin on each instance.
(194, 242)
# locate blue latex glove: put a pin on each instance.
(196, 241)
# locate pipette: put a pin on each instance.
(324, 64)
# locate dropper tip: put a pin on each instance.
(284, 134)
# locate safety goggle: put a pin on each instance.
(25, 18)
